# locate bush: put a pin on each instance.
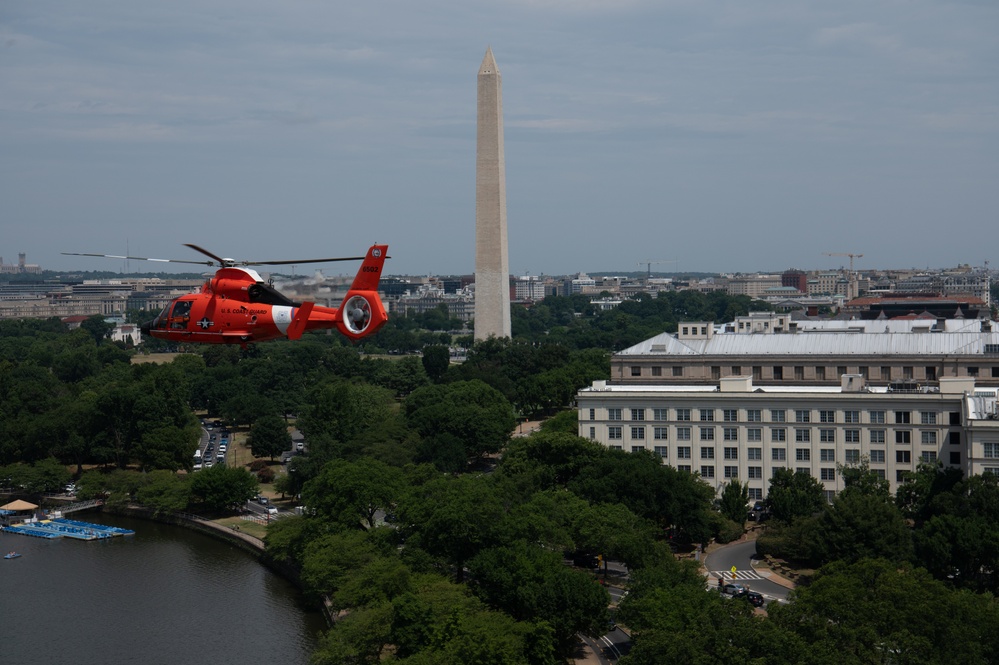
(258, 464)
(728, 531)
(266, 475)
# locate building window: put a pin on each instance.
(755, 472)
(827, 436)
(660, 414)
(880, 473)
(990, 450)
(955, 417)
(877, 436)
(954, 438)
(972, 371)
(637, 449)
(593, 414)
(613, 414)
(841, 370)
(707, 415)
(638, 433)
(731, 453)
(683, 467)
(803, 455)
(730, 415)
(638, 414)
(877, 457)
(657, 371)
(927, 417)
(757, 373)
(683, 434)
(660, 433)
(707, 433)
(778, 434)
(707, 452)
(754, 434)
(683, 415)
(907, 373)
(902, 417)
(877, 417)
(903, 457)
(731, 472)
(928, 438)
(678, 371)
(636, 370)
(683, 452)
(778, 454)
(827, 454)
(778, 373)
(820, 373)
(799, 373)
(777, 415)
(754, 416)
(593, 433)
(715, 372)
(851, 455)
(774, 469)
(707, 472)
(851, 435)
(931, 373)
(955, 458)
(736, 370)
(886, 373)
(928, 457)
(827, 416)
(757, 453)
(903, 436)
(802, 435)
(730, 433)
(802, 416)
(851, 416)
(614, 433)
(827, 474)
(615, 447)
(662, 451)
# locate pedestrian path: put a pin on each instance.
(739, 574)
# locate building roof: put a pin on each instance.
(819, 344)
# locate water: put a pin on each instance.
(165, 595)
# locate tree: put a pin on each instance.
(351, 493)
(466, 413)
(734, 498)
(794, 495)
(436, 359)
(219, 488)
(532, 584)
(877, 611)
(269, 436)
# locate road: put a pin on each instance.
(740, 555)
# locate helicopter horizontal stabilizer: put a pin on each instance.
(297, 326)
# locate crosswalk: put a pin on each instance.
(739, 575)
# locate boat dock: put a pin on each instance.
(64, 528)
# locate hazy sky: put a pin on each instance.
(736, 136)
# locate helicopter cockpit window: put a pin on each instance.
(181, 313)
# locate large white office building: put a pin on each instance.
(735, 427)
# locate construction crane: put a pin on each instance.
(648, 263)
(851, 255)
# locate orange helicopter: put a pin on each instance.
(238, 307)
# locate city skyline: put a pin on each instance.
(733, 138)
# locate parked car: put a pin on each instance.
(262, 500)
(755, 598)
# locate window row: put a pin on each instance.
(773, 415)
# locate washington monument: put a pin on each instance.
(492, 264)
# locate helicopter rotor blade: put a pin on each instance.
(222, 262)
(288, 263)
(138, 258)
